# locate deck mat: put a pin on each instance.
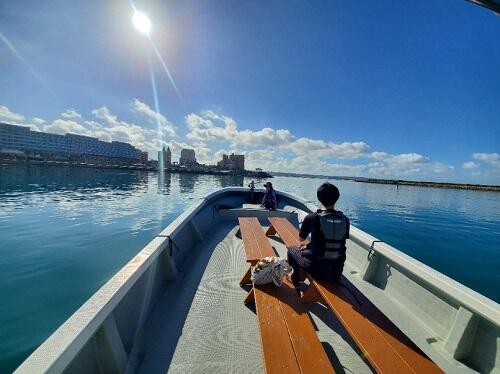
(202, 326)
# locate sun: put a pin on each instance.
(141, 22)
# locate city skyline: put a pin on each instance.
(23, 144)
(394, 90)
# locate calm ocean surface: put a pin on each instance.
(64, 232)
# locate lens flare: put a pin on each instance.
(143, 25)
(141, 22)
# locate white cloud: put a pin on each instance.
(489, 158)
(470, 165)
(109, 127)
(38, 121)
(409, 158)
(63, 126)
(210, 126)
(214, 127)
(203, 128)
(70, 114)
(104, 114)
(153, 117)
(380, 155)
(406, 164)
(403, 158)
(281, 150)
(8, 116)
(386, 165)
(321, 149)
(300, 164)
(266, 136)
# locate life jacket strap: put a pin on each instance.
(330, 255)
(332, 245)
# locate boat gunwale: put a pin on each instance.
(460, 293)
(57, 351)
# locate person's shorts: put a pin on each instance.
(319, 268)
(303, 257)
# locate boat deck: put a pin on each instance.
(202, 325)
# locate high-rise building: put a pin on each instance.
(21, 138)
(232, 162)
(166, 156)
(188, 157)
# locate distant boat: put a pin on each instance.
(177, 306)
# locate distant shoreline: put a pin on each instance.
(455, 186)
(399, 182)
(264, 175)
(242, 173)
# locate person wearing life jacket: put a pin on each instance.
(325, 254)
(270, 200)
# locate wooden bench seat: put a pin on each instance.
(255, 242)
(288, 339)
(384, 346)
(289, 342)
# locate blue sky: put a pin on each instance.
(372, 88)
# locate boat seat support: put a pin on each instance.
(461, 337)
(112, 355)
(196, 231)
(167, 262)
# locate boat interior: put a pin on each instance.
(178, 306)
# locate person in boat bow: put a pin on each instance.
(324, 256)
(270, 200)
(251, 197)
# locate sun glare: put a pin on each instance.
(141, 22)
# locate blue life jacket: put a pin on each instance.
(270, 199)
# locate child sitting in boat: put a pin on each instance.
(325, 255)
(270, 201)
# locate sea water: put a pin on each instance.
(65, 231)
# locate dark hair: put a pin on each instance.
(328, 194)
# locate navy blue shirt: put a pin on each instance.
(270, 199)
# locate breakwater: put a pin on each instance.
(456, 186)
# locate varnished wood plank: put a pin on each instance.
(289, 342)
(286, 231)
(394, 337)
(277, 349)
(382, 357)
(309, 352)
(255, 241)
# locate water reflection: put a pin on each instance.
(164, 182)
(65, 231)
(187, 182)
(46, 179)
(229, 180)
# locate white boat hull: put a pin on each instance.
(456, 327)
